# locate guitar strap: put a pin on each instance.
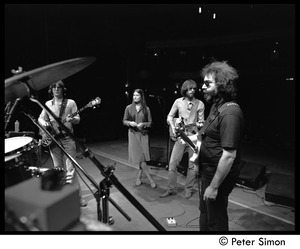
(193, 130)
(63, 107)
(214, 115)
(62, 110)
(209, 120)
(196, 116)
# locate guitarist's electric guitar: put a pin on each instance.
(179, 125)
(180, 133)
(53, 129)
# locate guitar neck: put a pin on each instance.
(190, 125)
(77, 112)
(186, 139)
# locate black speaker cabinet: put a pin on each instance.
(252, 175)
(281, 189)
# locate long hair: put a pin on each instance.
(59, 83)
(225, 78)
(143, 101)
(186, 85)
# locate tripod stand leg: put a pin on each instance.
(98, 197)
(104, 186)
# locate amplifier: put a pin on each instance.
(252, 175)
(50, 210)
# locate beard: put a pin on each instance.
(190, 95)
(209, 96)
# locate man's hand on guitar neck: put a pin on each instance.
(71, 119)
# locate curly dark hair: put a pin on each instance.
(225, 77)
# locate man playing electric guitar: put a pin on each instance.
(54, 129)
(62, 108)
(191, 110)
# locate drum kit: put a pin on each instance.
(23, 152)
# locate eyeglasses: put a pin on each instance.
(207, 82)
(191, 88)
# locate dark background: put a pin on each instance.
(157, 47)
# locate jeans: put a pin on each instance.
(61, 160)
(176, 156)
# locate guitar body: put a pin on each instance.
(195, 147)
(54, 129)
(47, 140)
(195, 155)
(179, 125)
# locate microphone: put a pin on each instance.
(155, 96)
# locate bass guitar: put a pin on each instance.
(53, 128)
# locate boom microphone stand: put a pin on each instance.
(99, 194)
(106, 172)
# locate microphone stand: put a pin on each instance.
(163, 109)
(106, 172)
(99, 194)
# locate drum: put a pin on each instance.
(19, 153)
(26, 147)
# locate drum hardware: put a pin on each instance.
(21, 134)
(29, 83)
(36, 171)
(15, 171)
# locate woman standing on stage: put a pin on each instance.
(137, 117)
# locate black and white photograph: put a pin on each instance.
(150, 119)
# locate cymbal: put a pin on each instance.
(43, 76)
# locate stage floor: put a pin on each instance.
(248, 210)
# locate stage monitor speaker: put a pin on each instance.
(252, 175)
(158, 157)
(158, 154)
(281, 189)
(52, 210)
